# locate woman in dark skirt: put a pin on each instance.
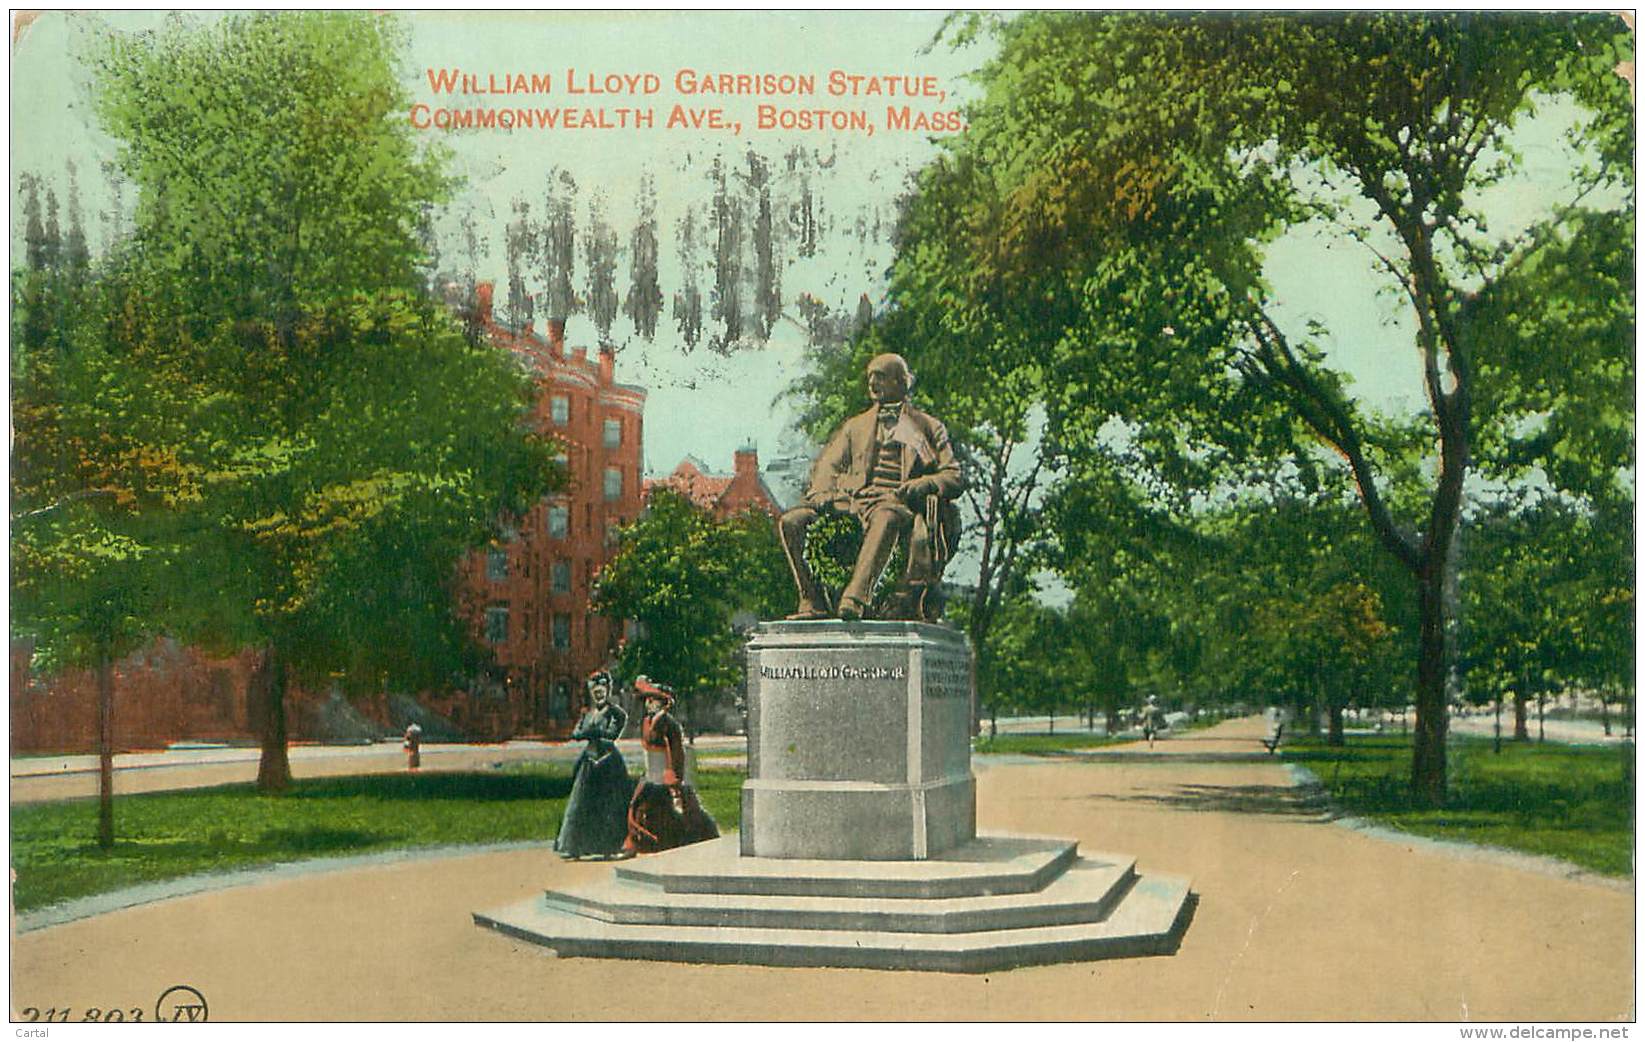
(596, 815)
(665, 811)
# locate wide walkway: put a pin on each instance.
(38, 778)
(1298, 918)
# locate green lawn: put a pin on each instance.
(168, 835)
(1564, 801)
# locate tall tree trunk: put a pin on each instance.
(105, 746)
(274, 768)
(1521, 711)
(1334, 735)
(1605, 712)
(1541, 716)
(1432, 723)
(1497, 741)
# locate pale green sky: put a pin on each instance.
(703, 403)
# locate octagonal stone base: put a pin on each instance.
(859, 844)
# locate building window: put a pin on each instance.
(611, 531)
(497, 624)
(562, 577)
(559, 410)
(559, 707)
(562, 630)
(613, 483)
(559, 520)
(613, 434)
(497, 564)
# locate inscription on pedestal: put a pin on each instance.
(831, 672)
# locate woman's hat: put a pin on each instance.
(599, 676)
(645, 686)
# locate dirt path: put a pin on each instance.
(1298, 919)
(39, 779)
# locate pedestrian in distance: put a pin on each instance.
(413, 745)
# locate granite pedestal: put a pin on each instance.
(859, 742)
(858, 844)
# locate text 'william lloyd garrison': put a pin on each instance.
(833, 672)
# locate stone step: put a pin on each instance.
(1084, 893)
(990, 864)
(1149, 920)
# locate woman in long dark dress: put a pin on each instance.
(665, 811)
(596, 815)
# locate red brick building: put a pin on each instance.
(528, 596)
(722, 494)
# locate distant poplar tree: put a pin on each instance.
(727, 299)
(601, 246)
(559, 256)
(644, 303)
(688, 300)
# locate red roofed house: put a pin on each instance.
(721, 494)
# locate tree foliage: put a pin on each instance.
(317, 435)
(681, 574)
(1124, 174)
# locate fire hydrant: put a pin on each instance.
(413, 747)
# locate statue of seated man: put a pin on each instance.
(893, 469)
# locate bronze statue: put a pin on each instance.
(892, 468)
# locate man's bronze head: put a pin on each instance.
(889, 379)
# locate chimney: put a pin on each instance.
(482, 302)
(608, 365)
(746, 461)
(579, 354)
(556, 337)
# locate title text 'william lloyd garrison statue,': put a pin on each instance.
(836, 83)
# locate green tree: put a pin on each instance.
(1139, 204)
(1548, 589)
(680, 575)
(94, 479)
(350, 443)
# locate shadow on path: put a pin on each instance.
(1277, 800)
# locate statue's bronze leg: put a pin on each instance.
(885, 524)
(912, 592)
(791, 533)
